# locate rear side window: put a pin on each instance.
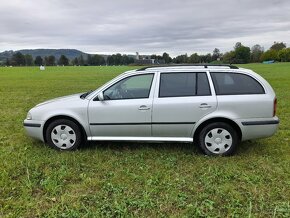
(236, 84)
(183, 84)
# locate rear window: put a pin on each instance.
(183, 84)
(236, 84)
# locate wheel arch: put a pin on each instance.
(51, 119)
(214, 120)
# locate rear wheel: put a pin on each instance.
(63, 135)
(218, 139)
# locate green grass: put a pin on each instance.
(133, 179)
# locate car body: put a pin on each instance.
(214, 106)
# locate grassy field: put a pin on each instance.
(133, 179)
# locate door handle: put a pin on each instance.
(204, 105)
(143, 108)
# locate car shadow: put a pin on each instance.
(131, 146)
(246, 147)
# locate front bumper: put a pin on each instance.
(34, 128)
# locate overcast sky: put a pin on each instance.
(147, 26)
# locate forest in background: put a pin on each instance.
(240, 54)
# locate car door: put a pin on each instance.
(125, 110)
(180, 100)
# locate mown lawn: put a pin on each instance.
(133, 179)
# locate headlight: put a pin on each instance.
(29, 116)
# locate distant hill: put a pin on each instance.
(6, 54)
(69, 53)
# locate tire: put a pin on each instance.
(63, 134)
(218, 139)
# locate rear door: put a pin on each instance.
(181, 99)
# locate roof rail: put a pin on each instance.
(191, 65)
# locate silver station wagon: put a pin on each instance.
(214, 106)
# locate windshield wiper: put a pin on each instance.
(86, 94)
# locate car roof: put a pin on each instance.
(188, 66)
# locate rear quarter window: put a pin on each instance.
(235, 84)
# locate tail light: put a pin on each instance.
(275, 107)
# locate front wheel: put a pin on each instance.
(63, 135)
(218, 139)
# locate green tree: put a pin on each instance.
(28, 60)
(45, 60)
(256, 53)
(97, 60)
(216, 54)
(242, 54)
(269, 55)
(94, 60)
(156, 57)
(206, 58)
(89, 59)
(229, 57)
(125, 60)
(167, 59)
(75, 61)
(278, 46)
(238, 45)
(7, 62)
(131, 60)
(102, 60)
(117, 59)
(50, 60)
(63, 60)
(18, 59)
(194, 58)
(38, 61)
(110, 60)
(180, 59)
(81, 60)
(284, 55)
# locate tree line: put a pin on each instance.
(19, 59)
(239, 55)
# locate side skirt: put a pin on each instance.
(154, 139)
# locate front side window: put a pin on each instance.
(236, 84)
(183, 84)
(132, 87)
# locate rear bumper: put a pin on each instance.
(34, 128)
(258, 128)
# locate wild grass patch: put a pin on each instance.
(113, 179)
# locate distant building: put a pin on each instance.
(146, 60)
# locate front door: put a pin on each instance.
(125, 110)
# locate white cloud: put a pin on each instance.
(150, 26)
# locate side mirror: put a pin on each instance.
(101, 96)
